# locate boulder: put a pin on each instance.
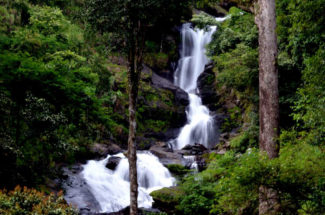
(113, 162)
(207, 88)
(196, 149)
(165, 154)
(181, 97)
(166, 199)
(100, 150)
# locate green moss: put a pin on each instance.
(156, 60)
(177, 169)
(167, 199)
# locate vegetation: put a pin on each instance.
(230, 184)
(30, 201)
(63, 87)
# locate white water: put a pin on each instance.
(112, 188)
(200, 124)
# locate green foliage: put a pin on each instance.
(198, 198)
(202, 20)
(230, 183)
(131, 20)
(30, 201)
(239, 28)
(49, 93)
(157, 61)
(238, 68)
(310, 107)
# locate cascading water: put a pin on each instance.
(200, 124)
(111, 188)
(99, 189)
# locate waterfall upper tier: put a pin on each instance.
(200, 124)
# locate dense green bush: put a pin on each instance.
(231, 182)
(51, 96)
(24, 201)
(310, 107)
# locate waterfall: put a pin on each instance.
(99, 189)
(112, 188)
(200, 124)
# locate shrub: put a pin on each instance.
(231, 182)
(29, 201)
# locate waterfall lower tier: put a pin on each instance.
(110, 189)
(200, 127)
(200, 124)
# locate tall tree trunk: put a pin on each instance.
(132, 156)
(134, 73)
(265, 19)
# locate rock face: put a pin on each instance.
(181, 97)
(207, 89)
(165, 154)
(113, 162)
(77, 191)
(161, 109)
(196, 149)
(100, 150)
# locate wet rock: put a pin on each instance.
(207, 89)
(196, 149)
(201, 163)
(144, 143)
(113, 162)
(165, 154)
(126, 211)
(100, 150)
(77, 192)
(181, 97)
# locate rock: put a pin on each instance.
(196, 149)
(166, 199)
(77, 192)
(126, 211)
(177, 169)
(224, 136)
(100, 150)
(201, 164)
(207, 88)
(181, 97)
(165, 154)
(144, 143)
(113, 162)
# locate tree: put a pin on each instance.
(265, 19)
(131, 20)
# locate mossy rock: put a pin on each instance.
(157, 108)
(177, 169)
(166, 199)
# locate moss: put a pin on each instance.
(167, 199)
(156, 60)
(177, 169)
(155, 108)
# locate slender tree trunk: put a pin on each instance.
(265, 19)
(134, 73)
(132, 154)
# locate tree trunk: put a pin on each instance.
(132, 156)
(134, 73)
(265, 19)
